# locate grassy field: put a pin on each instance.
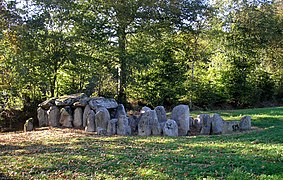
(70, 154)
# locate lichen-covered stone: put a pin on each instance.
(42, 117)
(161, 114)
(181, 115)
(120, 111)
(98, 102)
(206, 124)
(102, 117)
(66, 118)
(78, 117)
(123, 127)
(170, 128)
(90, 125)
(245, 123)
(216, 124)
(85, 115)
(230, 126)
(53, 116)
(69, 100)
(112, 127)
(148, 124)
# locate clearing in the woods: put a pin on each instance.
(64, 153)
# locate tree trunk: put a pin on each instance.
(122, 98)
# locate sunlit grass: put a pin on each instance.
(66, 154)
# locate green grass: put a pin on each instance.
(67, 154)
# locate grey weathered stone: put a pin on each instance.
(245, 123)
(206, 124)
(230, 126)
(69, 100)
(47, 104)
(217, 124)
(42, 117)
(101, 131)
(82, 102)
(123, 127)
(133, 123)
(78, 117)
(145, 109)
(90, 119)
(97, 102)
(161, 114)
(170, 128)
(120, 111)
(66, 117)
(53, 116)
(28, 126)
(191, 122)
(148, 124)
(85, 115)
(102, 117)
(181, 115)
(112, 127)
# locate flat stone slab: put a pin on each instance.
(69, 100)
(97, 102)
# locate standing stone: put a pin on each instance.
(120, 111)
(161, 114)
(230, 126)
(149, 124)
(102, 117)
(42, 117)
(78, 117)
(112, 127)
(90, 125)
(192, 120)
(53, 116)
(170, 128)
(206, 125)
(66, 117)
(28, 126)
(145, 109)
(133, 123)
(217, 124)
(101, 131)
(181, 115)
(245, 123)
(199, 123)
(85, 115)
(123, 127)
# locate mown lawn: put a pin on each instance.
(67, 154)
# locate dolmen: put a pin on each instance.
(107, 117)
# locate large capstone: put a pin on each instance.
(82, 102)
(148, 124)
(85, 115)
(42, 117)
(53, 116)
(161, 114)
(112, 127)
(217, 124)
(102, 117)
(47, 104)
(245, 123)
(69, 100)
(90, 125)
(78, 117)
(123, 127)
(97, 102)
(120, 111)
(181, 115)
(170, 128)
(206, 124)
(66, 117)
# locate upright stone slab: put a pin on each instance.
(85, 115)
(217, 124)
(133, 123)
(66, 118)
(148, 124)
(42, 117)
(120, 111)
(206, 125)
(78, 117)
(181, 115)
(245, 123)
(53, 116)
(28, 126)
(230, 126)
(112, 127)
(161, 114)
(90, 125)
(145, 109)
(123, 127)
(102, 117)
(170, 128)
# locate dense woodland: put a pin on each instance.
(208, 54)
